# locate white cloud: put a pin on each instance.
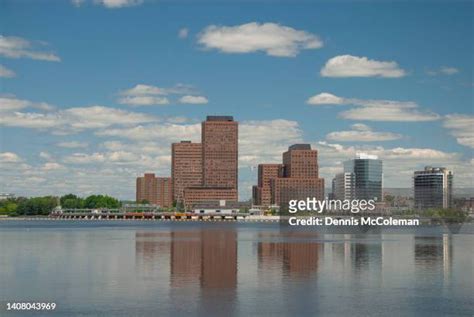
(141, 89)
(354, 66)
(100, 117)
(461, 127)
(143, 100)
(183, 33)
(82, 158)
(443, 70)
(166, 132)
(375, 110)
(45, 156)
(50, 166)
(362, 133)
(74, 119)
(388, 113)
(449, 70)
(115, 4)
(11, 103)
(148, 95)
(197, 100)
(6, 73)
(271, 38)
(9, 157)
(325, 99)
(72, 144)
(264, 141)
(17, 47)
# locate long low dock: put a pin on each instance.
(163, 217)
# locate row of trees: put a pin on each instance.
(22, 206)
(72, 201)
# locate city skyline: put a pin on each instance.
(83, 121)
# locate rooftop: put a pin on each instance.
(219, 118)
(300, 147)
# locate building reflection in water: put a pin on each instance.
(296, 258)
(152, 251)
(201, 263)
(434, 254)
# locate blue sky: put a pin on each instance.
(94, 92)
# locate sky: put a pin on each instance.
(94, 92)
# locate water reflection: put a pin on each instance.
(296, 258)
(244, 270)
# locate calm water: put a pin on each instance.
(157, 268)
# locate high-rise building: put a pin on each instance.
(146, 189)
(368, 173)
(164, 187)
(154, 190)
(262, 195)
(186, 167)
(343, 186)
(300, 161)
(217, 159)
(433, 187)
(220, 152)
(296, 178)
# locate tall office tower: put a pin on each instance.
(368, 172)
(147, 189)
(186, 167)
(433, 187)
(300, 161)
(154, 190)
(343, 186)
(220, 152)
(262, 195)
(296, 178)
(164, 188)
(219, 165)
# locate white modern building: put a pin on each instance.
(343, 186)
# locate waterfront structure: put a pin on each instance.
(296, 178)
(368, 173)
(186, 167)
(222, 207)
(343, 186)
(433, 187)
(154, 190)
(219, 164)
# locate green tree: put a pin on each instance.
(101, 201)
(37, 205)
(8, 207)
(71, 201)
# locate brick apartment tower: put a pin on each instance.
(219, 135)
(262, 192)
(186, 167)
(296, 178)
(207, 171)
(155, 190)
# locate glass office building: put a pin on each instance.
(368, 173)
(433, 188)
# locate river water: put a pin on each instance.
(153, 268)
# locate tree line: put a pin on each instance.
(22, 206)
